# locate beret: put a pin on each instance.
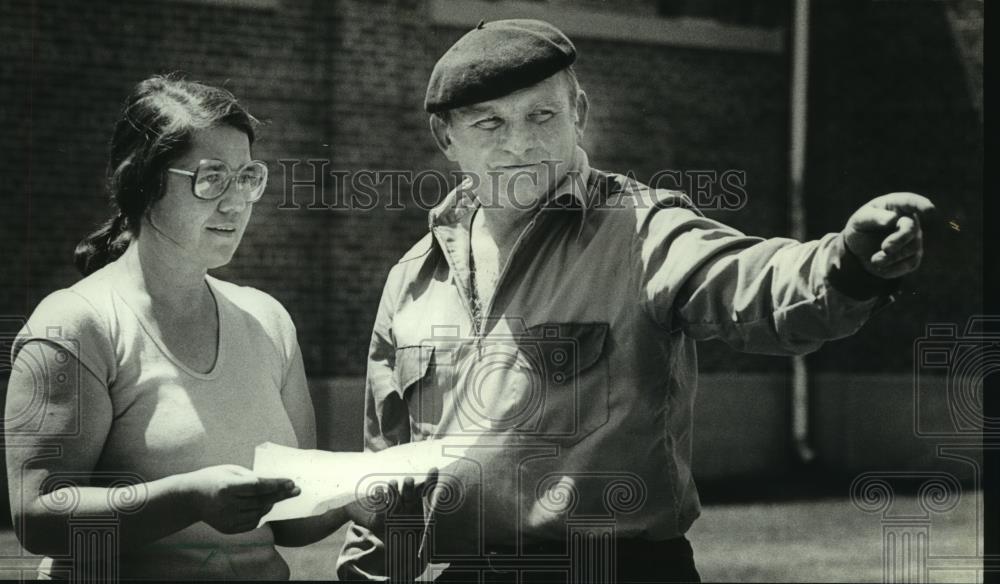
(495, 59)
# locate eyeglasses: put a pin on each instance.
(212, 179)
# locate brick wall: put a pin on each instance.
(72, 66)
(343, 81)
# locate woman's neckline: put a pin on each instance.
(152, 331)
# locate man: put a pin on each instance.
(549, 319)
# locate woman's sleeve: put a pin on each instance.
(291, 353)
(294, 385)
(69, 321)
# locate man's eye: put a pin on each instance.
(543, 115)
(488, 124)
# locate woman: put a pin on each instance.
(152, 381)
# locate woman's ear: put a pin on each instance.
(582, 111)
(439, 129)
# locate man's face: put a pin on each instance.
(519, 146)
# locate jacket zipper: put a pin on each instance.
(503, 272)
(456, 284)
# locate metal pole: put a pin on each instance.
(796, 210)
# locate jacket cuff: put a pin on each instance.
(850, 278)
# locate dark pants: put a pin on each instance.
(634, 561)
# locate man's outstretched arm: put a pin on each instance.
(774, 296)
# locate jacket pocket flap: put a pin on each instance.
(567, 349)
(412, 364)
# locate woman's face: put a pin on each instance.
(205, 232)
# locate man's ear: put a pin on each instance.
(582, 111)
(439, 129)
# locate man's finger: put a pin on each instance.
(395, 500)
(871, 218)
(408, 489)
(907, 228)
(430, 484)
(408, 502)
(905, 203)
(887, 258)
(428, 492)
(439, 492)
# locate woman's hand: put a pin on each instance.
(232, 499)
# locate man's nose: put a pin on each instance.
(517, 139)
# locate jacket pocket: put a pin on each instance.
(399, 409)
(569, 363)
(412, 364)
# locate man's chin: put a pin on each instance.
(521, 200)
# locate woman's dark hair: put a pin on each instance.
(155, 129)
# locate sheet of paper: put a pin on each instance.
(329, 480)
